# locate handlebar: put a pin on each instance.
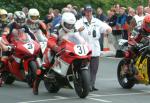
(62, 50)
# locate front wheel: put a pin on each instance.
(82, 83)
(124, 79)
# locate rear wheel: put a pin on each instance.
(7, 78)
(51, 84)
(82, 83)
(51, 87)
(124, 79)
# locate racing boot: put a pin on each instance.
(1, 80)
(36, 85)
(39, 77)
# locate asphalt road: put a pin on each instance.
(109, 90)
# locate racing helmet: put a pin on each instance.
(3, 15)
(146, 23)
(20, 18)
(68, 20)
(33, 14)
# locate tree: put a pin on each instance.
(44, 5)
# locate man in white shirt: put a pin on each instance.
(91, 29)
(136, 22)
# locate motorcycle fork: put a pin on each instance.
(25, 66)
(73, 73)
(75, 76)
(1, 80)
(128, 68)
(3, 63)
(125, 67)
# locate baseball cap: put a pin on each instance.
(88, 8)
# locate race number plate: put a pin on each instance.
(81, 50)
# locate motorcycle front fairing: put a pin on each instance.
(25, 46)
(73, 49)
(25, 50)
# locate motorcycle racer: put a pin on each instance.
(141, 38)
(67, 26)
(3, 19)
(38, 28)
(12, 30)
(18, 24)
(35, 24)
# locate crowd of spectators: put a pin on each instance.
(123, 20)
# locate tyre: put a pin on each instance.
(51, 87)
(8, 78)
(82, 83)
(124, 79)
(32, 73)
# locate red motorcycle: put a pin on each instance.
(70, 66)
(22, 62)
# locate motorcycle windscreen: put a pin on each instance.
(74, 38)
(80, 45)
(39, 36)
(20, 36)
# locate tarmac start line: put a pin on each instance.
(91, 97)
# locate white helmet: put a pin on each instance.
(3, 15)
(20, 18)
(33, 14)
(68, 21)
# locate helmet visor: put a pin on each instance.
(147, 25)
(34, 17)
(3, 17)
(68, 26)
(20, 20)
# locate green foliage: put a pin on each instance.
(44, 5)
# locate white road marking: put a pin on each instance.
(101, 100)
(60, 97)
(91, 96)
(43, 100)
(108, 79)
(145, 91)
(96, 95)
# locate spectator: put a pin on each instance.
(65, 9)
(147, 10)
(100, 15)
(56, 20)
(120, 27)
(91, 28)
(136, 21)
(131, 14)
(112, 17)
(81, 12)
(25, 10)
(122, 23)
(10, 17)
(49, 17)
